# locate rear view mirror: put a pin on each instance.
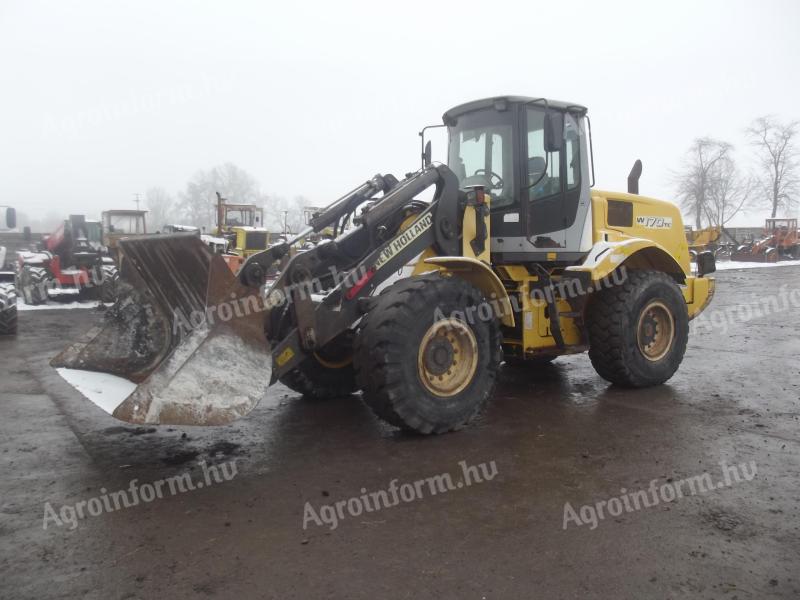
(553, 131)
(10, 219)
(426, 155)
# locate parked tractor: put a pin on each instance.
(70, 261)
(517, 258)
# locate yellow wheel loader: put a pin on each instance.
(516, 258)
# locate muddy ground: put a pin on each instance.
(560, 435)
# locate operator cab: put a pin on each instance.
(531, 156)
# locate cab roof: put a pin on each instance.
(455, 112)
(124, 211)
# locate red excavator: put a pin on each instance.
(70, 261)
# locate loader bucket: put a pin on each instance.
(183, 345)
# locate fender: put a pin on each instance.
(482, 277)
(639, 253)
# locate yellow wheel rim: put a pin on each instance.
(655, 331)
(333, 364)
(447, 358)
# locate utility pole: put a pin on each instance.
(285, 216)
(136, 196)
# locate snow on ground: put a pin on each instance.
(729, 265)
(51, 305)
(106, 391)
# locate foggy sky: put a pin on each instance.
(102, 100)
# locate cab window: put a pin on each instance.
(480, 153)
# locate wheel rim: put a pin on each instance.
(655, 331)
(333, 364)
(448, 357)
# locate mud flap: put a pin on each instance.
(184, 331)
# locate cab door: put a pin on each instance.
(553, 174)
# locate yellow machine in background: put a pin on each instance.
(119, 224)
(242, 226)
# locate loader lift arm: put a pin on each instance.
(366, 257)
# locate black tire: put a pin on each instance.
(618, 330)
(33, 282)
(326, 374)
(107, 289)
(8, 309)
(389, 344)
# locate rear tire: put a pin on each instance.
(8, 309)
(107, 290)
(33, 285)
(425, 359)
(638, 331)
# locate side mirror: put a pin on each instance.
(706, 263)
(426, 155)
(553, 131)
(11, 218)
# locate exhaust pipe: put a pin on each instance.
(633, 177)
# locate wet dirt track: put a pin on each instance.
(556, 436)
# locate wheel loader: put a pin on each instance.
(780, 241)
(516, 258)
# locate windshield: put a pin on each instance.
(242, 217)
(480, 153)
(125, 223)
(93, 231)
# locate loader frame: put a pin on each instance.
(317, 323)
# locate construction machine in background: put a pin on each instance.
(70, 261)
(8, 290)
(217, 245)
(781, 241)
(713, 238)
(242, 226)
(516, 258)
(119, 224)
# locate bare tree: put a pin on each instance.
(280, 213)
(697, 177)
(198, 200)
(778, 160)
(727, 193)
(161, 206)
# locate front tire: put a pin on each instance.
(638, 331)
(427, 354)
